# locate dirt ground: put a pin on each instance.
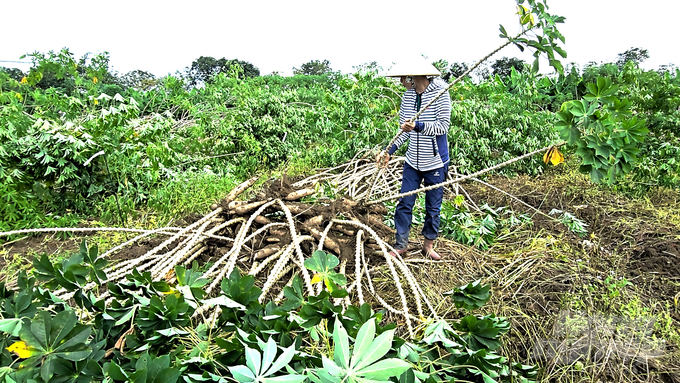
(627, 267)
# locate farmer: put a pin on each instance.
(427, 156)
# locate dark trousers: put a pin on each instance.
(403, 215)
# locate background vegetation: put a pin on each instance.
(173, 144)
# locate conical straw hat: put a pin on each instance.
(417, 66)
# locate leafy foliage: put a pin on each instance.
(604, 131)
(364, 362)
(145, 334)
(471, 296)
(481, 229)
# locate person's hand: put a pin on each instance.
(408, 126)
(382, 158)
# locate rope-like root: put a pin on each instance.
(377, 296)
(296, 242)
(390, 265)
(232, 255)
(276, 279)
(160, 247)
(193, 255)
(357, 268)
(182, 246)
(257, 268)
(276, 271)
(176, 255)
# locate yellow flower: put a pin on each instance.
(95, 79)
(18, 95)
(21, 349)
(96, 101)
(317, 278)
(24, 80)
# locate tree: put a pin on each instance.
(451, 72)
(503, 66)
(139, 79)
(313, 68)
(670, 68)
(636, 55)
(482, 72)
(367, 67)
(14, 73)
(205, 68)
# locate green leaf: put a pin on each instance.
(503, 32)
(128, 315)
(378, 348)
(63, 323)
(241, 373)
(47, 368)
(438, 332)
(268, 355)
(321, 262)
(471, 296)
(253, 360)
(363, 340)
(384, 369)
(167, 375)
(116, 373)
(76, 337)
(11, 326)
(596, 175)
(586, 154)
(282, 361)
(330, 367)
(223, 301)
(341, 341)
(285, 379)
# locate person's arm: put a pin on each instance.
(398, 143)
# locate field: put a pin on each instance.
(233, 228)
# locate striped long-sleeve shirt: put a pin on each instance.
(428, 148)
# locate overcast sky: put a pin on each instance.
(162, 37)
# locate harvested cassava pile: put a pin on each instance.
(270, 236)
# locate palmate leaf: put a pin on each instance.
(364, 365)
(323, 264)
(54, 339)
(439, 332)
(482, 332)
(261, 367)
(481, 362)
(471, 296)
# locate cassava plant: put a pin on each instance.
(603, 130)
